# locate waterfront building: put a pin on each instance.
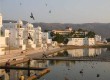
(2, 38)
(91, 41)
(20, 35)
(98, 38)
(46, 38)
(81, 41)
(15, 34)
(76, 41)
(63, 32)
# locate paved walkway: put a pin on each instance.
(19, 54)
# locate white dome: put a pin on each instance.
(20, 22)
(29, 25)
(39, 28)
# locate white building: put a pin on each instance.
(15, 35)
(2, 39)
(91, 41)
(81, 41)
(98, 38)
(26, 36)
(38, 35)
(76, 41)
(45, 38)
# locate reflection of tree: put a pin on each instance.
(65, 53)
(51, 62)
(62, 54)
(68, 63)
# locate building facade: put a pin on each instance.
(81, 41)
(26, 35)
(2, 39)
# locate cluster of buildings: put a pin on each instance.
(63, 32)
(79, 37)
(26, 36)
(18, 35)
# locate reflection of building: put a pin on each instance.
(84, 52)
(91, 52)
(98, 51)
(76, 52)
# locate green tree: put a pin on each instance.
(52, 34)
(90, 34)
(59, 38)
(65, 41)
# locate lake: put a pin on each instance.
(68, 70)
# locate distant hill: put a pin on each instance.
(102, 29)
(13, 21)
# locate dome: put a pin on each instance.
(39, 28)
(29, 25)
(20, 22)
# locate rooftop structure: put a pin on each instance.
(63, 32)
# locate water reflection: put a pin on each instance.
(84, 52)
(61, 70)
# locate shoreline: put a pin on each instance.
(38, 52)
(86, 46)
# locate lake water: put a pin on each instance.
(69, 70)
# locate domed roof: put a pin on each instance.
(29, 25)
(20, 22)
(39, 28)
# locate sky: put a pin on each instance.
(62, 11)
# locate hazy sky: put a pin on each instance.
(62, 11)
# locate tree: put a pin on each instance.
(65, 41)
(90, 34)
(59, 38)
(80, 30)
(52, 34)
(108, 39)
(46, 30)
